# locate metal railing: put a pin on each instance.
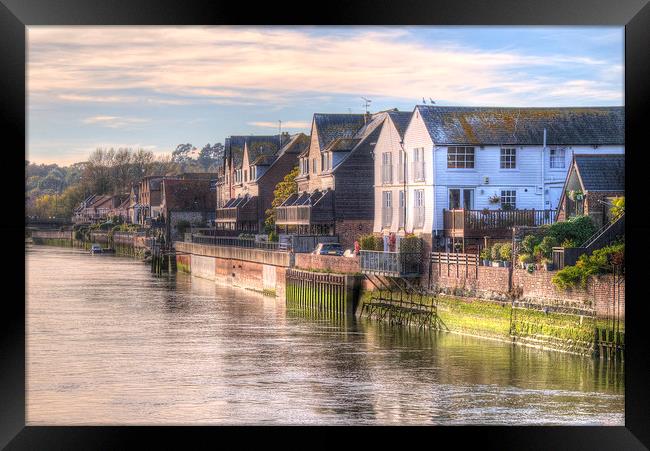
(236, 242)
(390, 263)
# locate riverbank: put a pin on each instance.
(579, 322)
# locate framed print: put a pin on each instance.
(376, 215)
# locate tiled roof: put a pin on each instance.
(605, 172)
(342, 144)
(401, 120)
(525, 126)
(257, 145)
(332, 126)
(188, 195)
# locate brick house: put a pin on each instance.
(592, 182)
(234, 173)
(150, 193)
(97, 208)
(335, 184)
(263, 167)
(122, 209)
(189, 199)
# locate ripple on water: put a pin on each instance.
(110, 343)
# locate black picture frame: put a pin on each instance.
(16, 15)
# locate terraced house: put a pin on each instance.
(466, 173)
(335, 184)
(253, 166)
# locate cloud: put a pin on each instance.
(272, 65)
(114, 121)
(287, 124)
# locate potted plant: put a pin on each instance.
(494, 199)
(575, 194)
(485, 256)
(547, 263)
(495, 253)
(525, 260)
(506, 254)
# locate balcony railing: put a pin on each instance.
(394, 264)
(493, 223)
(234, 242)
(418, 171)
(297, 214)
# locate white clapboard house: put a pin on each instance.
(460, 174)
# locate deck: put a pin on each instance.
(493, 223)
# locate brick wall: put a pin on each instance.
(600, 292)
(349, 230)
(341, 265)
(481, 282)
(493, 283)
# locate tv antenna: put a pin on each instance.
(366, 103)
(280, 131)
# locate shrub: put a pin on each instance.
(568, 277)
(371, 242)
(601, 261)
(506, 252)
(273, 236)
(526, 258)
(618, 208)
(496, 251)
(528, 244)
(545, 248)
(578, 229)
(485, 253)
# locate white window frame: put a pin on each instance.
(557, 161)
(386, 208)
(508, 158)
(509, 194)
(461, 151)
(418, 208)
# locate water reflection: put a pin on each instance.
(110, 343)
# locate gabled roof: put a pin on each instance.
(401, 120)
(257, 145)
(342, 145)
(188, 195)
(332, 126)
(523, 126)
(604, 172)
(376, 121)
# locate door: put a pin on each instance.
(461, 198)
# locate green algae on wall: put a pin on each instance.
(541, 327)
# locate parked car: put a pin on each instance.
(328, 249)
(95, 249)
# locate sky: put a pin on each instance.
(156, 87)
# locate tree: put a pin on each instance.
(181, 153)
(282, 191)
(210, 156)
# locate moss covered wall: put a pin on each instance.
(573, 331)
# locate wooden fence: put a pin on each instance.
(469, 263)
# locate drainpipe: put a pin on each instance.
(543, 163)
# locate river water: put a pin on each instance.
(110, 343)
